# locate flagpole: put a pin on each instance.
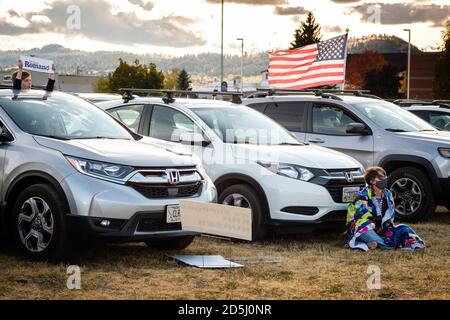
(345, 56)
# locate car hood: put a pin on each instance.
(141, 153)
(442, 137)
(302, 155)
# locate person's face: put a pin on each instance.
(380, 182)
(26, 83)
(331, 121)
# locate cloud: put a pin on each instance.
(252, 2)
(98, 23)
(336, 29)
(405, 13)
(146, 5)
(346, 1)
(289, 11)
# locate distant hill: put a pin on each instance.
(206, 64)
(381, 44)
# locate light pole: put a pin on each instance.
(409, 63)
(242, 63)
(221, 48)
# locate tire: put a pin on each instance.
(40, 233)
(259, 230)
(408, 205)
(178, 243)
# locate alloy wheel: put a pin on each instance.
(408, 196)
(35, 224)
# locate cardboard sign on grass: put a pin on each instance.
(216, 219)
(36, 64)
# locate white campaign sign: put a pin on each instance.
(36, 64)
(216, 219)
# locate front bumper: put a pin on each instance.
(92, 200)
(142, 226)
(294, 202)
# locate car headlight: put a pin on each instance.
(288, 170)
(445, 152)
(100, 169)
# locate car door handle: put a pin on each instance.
(316, 140)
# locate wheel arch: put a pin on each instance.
(393, 162)
(19, 184)
(227, 180)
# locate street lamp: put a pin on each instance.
(409, 62)
(221, 48)
(242, 63)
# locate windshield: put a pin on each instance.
(241, 124)
(392, 118)
(63, 117)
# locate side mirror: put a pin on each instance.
(194, 138)
(358, 128)
(5, 135)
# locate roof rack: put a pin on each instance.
(169, 94)
(324, 93)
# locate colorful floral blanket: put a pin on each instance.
(366, 214)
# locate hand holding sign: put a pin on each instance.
(37, 64)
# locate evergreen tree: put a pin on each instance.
(183, 81)
(309, 32)
(441, 83)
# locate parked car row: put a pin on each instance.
(373, 131)
(69, 169)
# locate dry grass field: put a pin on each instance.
(309, 266)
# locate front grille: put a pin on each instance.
(166, 191)
(156, 224)
(336, 191)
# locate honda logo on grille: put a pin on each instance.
(348, 176)
(173, 176)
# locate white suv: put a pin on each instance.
(253, 161)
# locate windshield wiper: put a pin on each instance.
(102, 137)
(54, 137)
(395, 130)
(290, 144)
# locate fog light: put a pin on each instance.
(105, 223)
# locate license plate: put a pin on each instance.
(173, 214)
(349, 194)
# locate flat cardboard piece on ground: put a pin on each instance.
(36, 64)
(216, 219)
(202, 261)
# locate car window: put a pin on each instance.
(440, 120)
(63, 116)
(168, 124)
(330, 120)
(130, 115)
(258, 106)
(289, 114)
(421, 114)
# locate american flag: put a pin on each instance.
(313, 65)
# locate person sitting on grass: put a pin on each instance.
(370, 218)
(22, 79)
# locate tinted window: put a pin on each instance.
(440, 120)
(258, 107)
(130, 115)
(168, 124)
(421, 114)
(330, 120)
(288, 114)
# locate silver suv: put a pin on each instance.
(375, 132)
(70, 170)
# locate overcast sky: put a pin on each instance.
(176, 27)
